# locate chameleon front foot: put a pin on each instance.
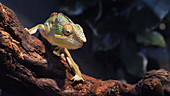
(74, 66)
(77, 78)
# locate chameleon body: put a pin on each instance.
(60, 31)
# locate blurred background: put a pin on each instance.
(126, 38)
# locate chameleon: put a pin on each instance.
(62, 33)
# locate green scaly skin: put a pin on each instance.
(60, 31)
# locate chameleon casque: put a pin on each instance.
(61, 32)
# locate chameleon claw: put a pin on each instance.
(77, 78)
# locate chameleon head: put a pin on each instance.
(70, 35)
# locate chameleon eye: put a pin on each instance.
(67, 30)
(67, 33)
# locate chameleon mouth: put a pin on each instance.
(73, 44)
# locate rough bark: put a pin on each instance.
(28, 68)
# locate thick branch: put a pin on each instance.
(28, 68)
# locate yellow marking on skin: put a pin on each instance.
(59, 36)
